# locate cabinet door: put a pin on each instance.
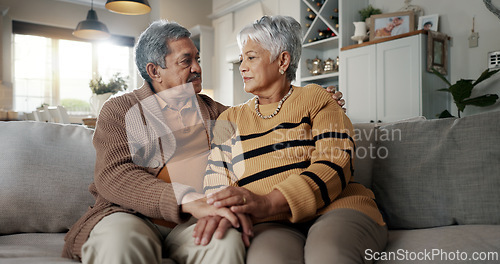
(358, 83)
(398, 79)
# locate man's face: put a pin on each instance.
(182, 65)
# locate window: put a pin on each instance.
(57, 71)
(74, 70)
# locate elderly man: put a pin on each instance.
(152, 146)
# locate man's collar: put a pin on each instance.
(163, 103)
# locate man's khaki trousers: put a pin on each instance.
(122, 238)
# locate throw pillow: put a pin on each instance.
(45, 171)
(439, 172)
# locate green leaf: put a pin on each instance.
(115, 84)
(461, 106)
(438, 74)
(484, 100)
(368, 11)
(461, 90)
(445, 114)
(485, 75)
(445, 90)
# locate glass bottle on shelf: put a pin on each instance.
(311, 17)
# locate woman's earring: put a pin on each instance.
(282, 71)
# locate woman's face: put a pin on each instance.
(258, 73)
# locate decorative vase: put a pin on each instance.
(96, 102)
(359, 28)
(359, 31)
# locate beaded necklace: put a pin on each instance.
(277, 109)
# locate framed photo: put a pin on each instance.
(391, 24)
(437, 52)
(429, 22)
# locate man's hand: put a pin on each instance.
(337, 96)
(217, 226)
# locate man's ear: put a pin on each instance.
(153, 72)
(284, 60)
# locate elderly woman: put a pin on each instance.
(285, 159)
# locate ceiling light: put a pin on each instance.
(91, 28)
(128, 7)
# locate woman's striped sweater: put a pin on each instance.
(305, 151)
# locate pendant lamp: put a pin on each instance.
(128, 7)
(91, 28)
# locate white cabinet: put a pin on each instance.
(335, 15)
(358, 81)
(387, 81)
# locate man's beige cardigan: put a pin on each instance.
(133, 143)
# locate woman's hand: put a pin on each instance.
(241, 200)
(217, 226)
(196, 205)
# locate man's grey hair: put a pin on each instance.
(276, 34)
(152, 44)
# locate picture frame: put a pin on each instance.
(429, 22)
(437, 52)
(391, 24)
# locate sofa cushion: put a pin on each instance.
(37, 248)
(45, 171)
(31, 245)
(366, 149)
(364, 136)
(439, 172)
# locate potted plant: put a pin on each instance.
(367, 12)
(101, 91)
(462, 90)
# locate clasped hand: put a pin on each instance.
(230, 207)
(214, 221)
(243, 206)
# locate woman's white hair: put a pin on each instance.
(276, 34)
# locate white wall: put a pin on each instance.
(455, 19)
(188, 13)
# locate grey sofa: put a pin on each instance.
(437, 183)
